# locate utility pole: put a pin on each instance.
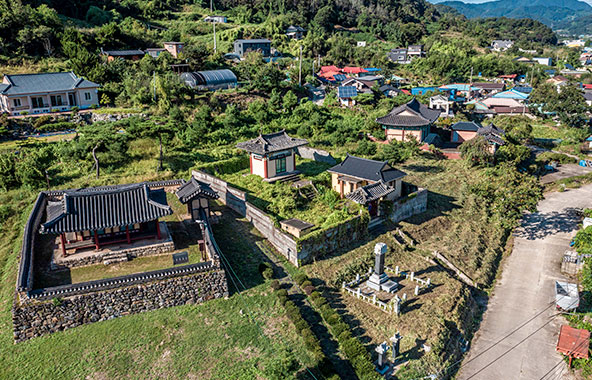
(471, 83)
(211, 6)
(153, 87)
(214, 23)
(300, 68)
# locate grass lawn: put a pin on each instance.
(282, 201)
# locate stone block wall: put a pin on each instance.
(316, 155)
(39, 318)
(410, 205)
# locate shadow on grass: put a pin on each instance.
(425, 168)
(438, 205)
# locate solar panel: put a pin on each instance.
(339, 77)
(347, 92)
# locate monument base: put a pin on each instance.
(381, 283)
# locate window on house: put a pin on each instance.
(37, 102)
(87, 96)
(56, 100)
(16, 102)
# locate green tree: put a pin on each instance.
(476, 152)
(290, 101)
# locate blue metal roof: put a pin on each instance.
(511, 94)
(45, 82)
(215, 77)
(372, 69)
(339, 77)
(347, 92)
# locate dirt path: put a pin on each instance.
(517, 337)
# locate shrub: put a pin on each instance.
(300, 278)
(339, 328)
(275, 285)
(268, 274)
(94, 106)
(56, 301)
(55, 127)
(25, 113)
(305, 284)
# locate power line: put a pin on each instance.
(227, 265)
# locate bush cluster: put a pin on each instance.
(354, 350)
(266, 270)
(55, 127)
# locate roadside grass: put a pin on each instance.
(568, 183)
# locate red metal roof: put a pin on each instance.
(406, 92)
(510, 76)
(587, 86)
(574, 342)
(324, 69)
(354, 70)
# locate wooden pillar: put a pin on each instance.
(251, 163)
(265, 167)
(127, 235)
(158, 230)
(97, 245)
(63, 241)
(403, 135)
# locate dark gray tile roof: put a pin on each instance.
(418, 115)
(588, 95)
(123, 53)
(292, 29)
(465, 126)
(45, 82)
(370, 193)
(194, 188)
(272, 142)
(297, 223)
(490, 85)
(104, 207)
(492, 134)
(366, 169)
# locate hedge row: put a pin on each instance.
(55, 127)
(303, 328)
(353, 349)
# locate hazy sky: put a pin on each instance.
(485, 1)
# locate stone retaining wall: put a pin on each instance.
(40, 318)
(158, 248)
(316, 155)
(409, 206)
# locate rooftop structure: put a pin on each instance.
(134, 54)
(410, 119)
(273, 154)
(41, 93)
(573, 342)
(262, 45)
(501, 45)
(210, 80)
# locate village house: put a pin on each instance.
(558, 81)
(415, 51)
(501, 45)
(366, 181)
(175, 48)
(410, 120)
(346, 95)
(389, 91)
(441, 102)
(242, 47)
(210, 80)
(399, 56)
(155, 52)
(46, 92)
(545, 61)
(132, 55)
(102, 216)
(272, 156)
(295, 32)
(364, 84)
(489, 88)
(494, 137)
(196, 195)
(463, 131)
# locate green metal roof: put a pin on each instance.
(22, 84)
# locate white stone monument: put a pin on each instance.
(379, 280)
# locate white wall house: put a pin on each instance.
(30, 94)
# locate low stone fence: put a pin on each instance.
(39, 318)
(297, 251)
(415, 203)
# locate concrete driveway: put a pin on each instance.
(565, 171)
(517, 338)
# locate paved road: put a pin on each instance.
(565, 171)
(524, 296)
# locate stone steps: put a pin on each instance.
(115, 258)
(374, 223)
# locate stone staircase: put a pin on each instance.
(374, 223)
(115, 257)
(291, 178)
